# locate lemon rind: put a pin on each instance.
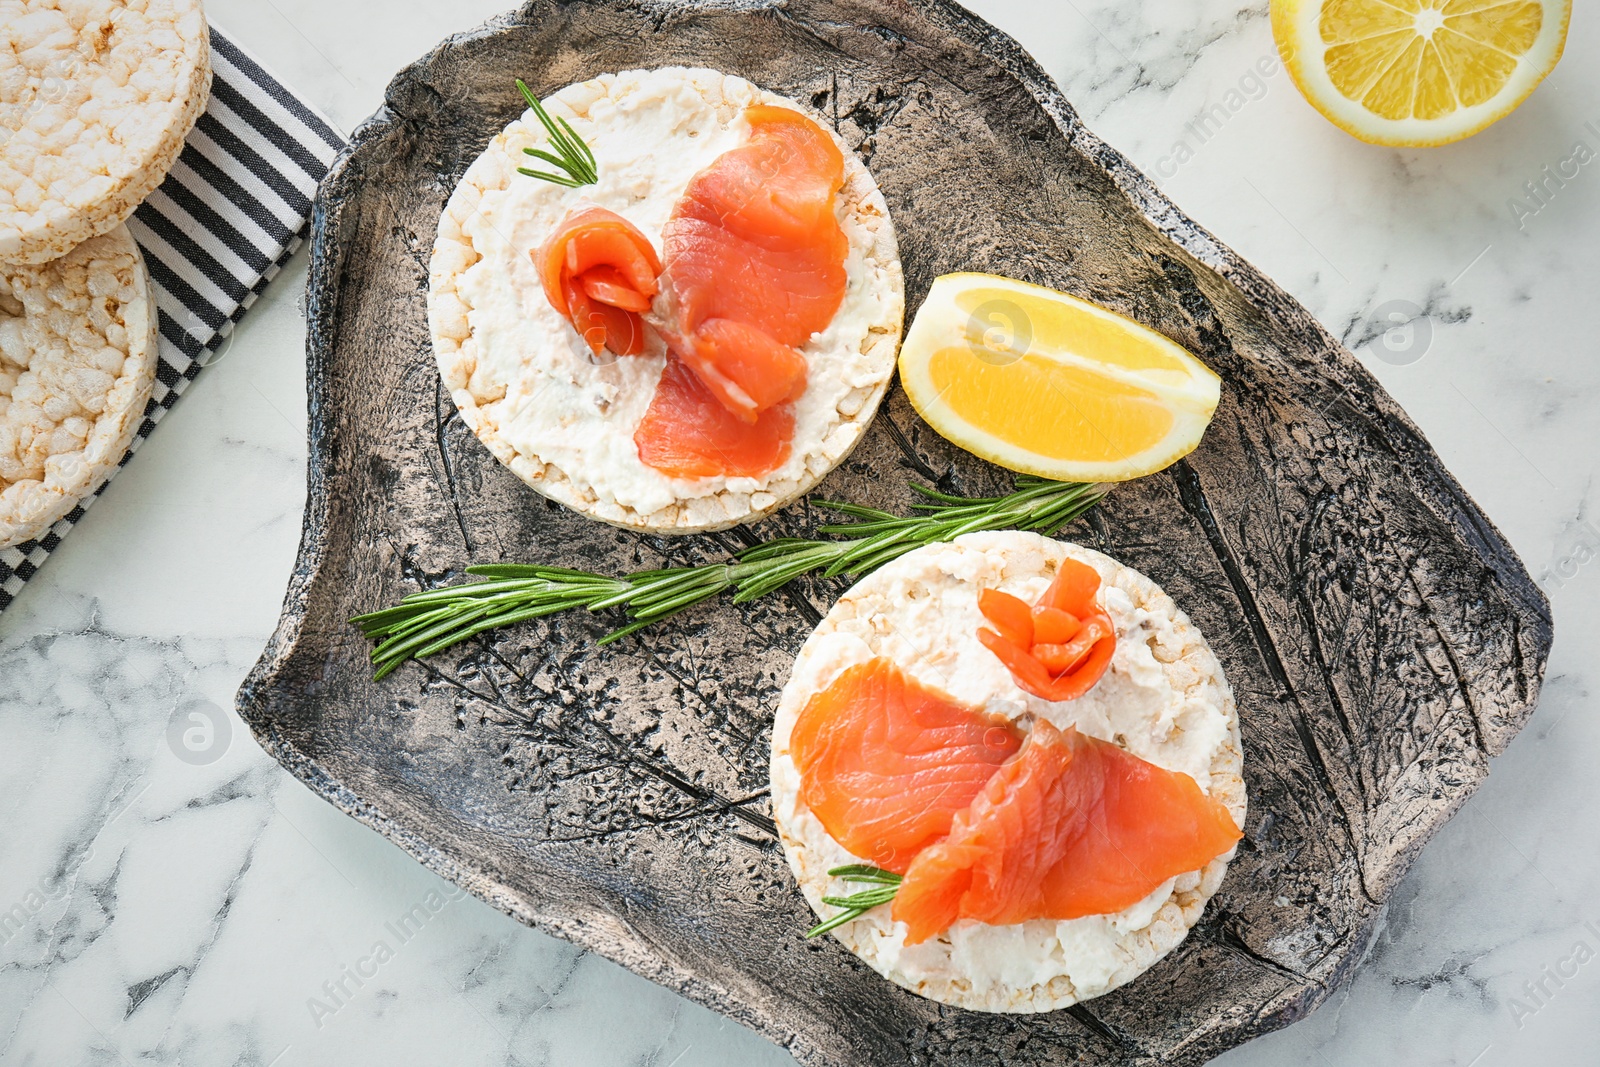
(1295, 31)
(1192, 407)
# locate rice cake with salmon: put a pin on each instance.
(599, 429)
(970, 730)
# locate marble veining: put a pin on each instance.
(168, 895)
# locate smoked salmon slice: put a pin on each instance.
(1059, 648)
(887, 764)
(734, 359)
(755, 260)
(687, 433)
(600, 272)
(1071, 826)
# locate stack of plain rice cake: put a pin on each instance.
(96, 98)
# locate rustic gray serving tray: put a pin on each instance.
(1382, 638)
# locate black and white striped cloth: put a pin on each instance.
(214, 234)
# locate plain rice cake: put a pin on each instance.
(96, 98)
(77, 363)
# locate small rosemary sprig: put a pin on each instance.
(433, 620)
(571, 154)
(858, 904)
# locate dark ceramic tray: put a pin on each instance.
(1382, 638)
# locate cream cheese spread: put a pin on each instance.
(1164, 699)
(563, 418)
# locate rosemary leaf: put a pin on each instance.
(433, 620)
(570, 153)
(857, 904)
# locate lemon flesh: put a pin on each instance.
(1418, 72)
(1047, 384)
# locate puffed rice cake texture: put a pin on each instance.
(1189, 665)
(96, 98)
(77, 364)
(456, 351)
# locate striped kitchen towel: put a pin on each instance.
(235, 206)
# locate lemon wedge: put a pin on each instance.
(1418, 72)
(1047, 384)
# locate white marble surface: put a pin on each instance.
(183, 913)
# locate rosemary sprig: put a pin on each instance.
(571, 154)
(431, 621)
(858, 904)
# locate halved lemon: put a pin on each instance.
(1047, 384)
(1418, 72)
